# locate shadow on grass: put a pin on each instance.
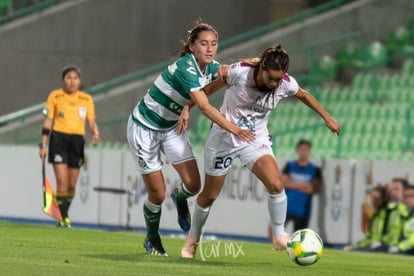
(141, 257)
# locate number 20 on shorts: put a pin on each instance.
(223, 162)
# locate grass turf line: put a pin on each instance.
(27, 249)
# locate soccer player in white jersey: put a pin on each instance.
(255, 87)
(152, 129)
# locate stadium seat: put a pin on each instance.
(399, 41)
(349, 56)
(410, 27)
(374, 55)
(324, 69)
(5, 6)
(408, 67)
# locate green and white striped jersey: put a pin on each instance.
(162, 105)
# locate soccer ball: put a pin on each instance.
(305, 247)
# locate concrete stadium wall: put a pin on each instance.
(106, 39)
(336, 211)
(373, 18)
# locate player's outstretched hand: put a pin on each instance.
(245, 135)
(333, 125)
(183, 120)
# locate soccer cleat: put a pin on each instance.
(154, 248)
(184, 218)
(280, 242)
(67, 222)
(188, 251)
(60, 223)
(64, 223)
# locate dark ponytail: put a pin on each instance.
(199, 27)
(275, 58)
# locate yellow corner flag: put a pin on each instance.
(50, 205)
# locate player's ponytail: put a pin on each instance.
(275, 58)
(193, 34)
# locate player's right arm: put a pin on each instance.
(47, 125)
(209, 90)
(200, 99)
(214, 86)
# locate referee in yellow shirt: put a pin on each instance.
(66, 111)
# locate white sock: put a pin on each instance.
(154, 208)
(183, 192)
(277, 206)
(199, 219)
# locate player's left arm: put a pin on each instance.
(310, 101)
(93, 126)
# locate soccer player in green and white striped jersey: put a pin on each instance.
(153, 128)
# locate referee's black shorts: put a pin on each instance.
(66, 149)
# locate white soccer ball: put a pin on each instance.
(305, 247)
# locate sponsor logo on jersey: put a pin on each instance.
(61, 114)
(244, 95)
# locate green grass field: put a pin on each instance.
(27, 249)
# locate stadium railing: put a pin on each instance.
(104, 87)
(25, 8)
(336, 148)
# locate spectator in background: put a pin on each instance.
(406, 241)
(301, 179)
(372, 240)
(394, 212)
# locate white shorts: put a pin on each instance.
(219, 154)
(147, 145)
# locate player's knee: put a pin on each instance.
(211, 197)
(207, 198)
(156, 197)
(275, 187)
(193, 186)
(192, 182)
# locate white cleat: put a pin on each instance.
(280, 242)
(188, 251)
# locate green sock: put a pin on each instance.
(181, 192)
(152, 214)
